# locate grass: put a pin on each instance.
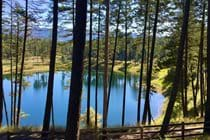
(177, 115)
(158, 80)
(35, 64)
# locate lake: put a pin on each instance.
(34, 97)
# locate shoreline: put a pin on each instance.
(35, 65)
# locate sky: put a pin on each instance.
(42, 5)
(45, 9)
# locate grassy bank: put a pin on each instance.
(36, 64)
(177, 115)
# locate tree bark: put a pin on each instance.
(207, 111)
(73, 115)
(97, 64)
(142, 62)
(179, 64)
(11, 71)
(89, 63)
(194, 96)
(73, 13)
(1, 68)
(22, 63)
(148, 44)
(182, 92)
(113, 57)
(125, 70)
(201, 59)
(186, 78)
(16, 72)
(147, 109)
(106, 59)
(49, 101)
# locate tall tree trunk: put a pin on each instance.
(16, 72)
(97, 65)
(186, 78)
(114, 54)
(73, 13)
(182, 92)
(22, 63)
(195, 87)
(179, 64)
(89, 63)
(201, 58)
(142, 62)
(194, 96)
(125, 70)
(1, 68)
(49, 102)
(148, 44)
(72, 126)
(207, 111)
(11, 71)
(106, 59)
(147, 109)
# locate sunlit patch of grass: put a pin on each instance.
(177, 115)
(118, 67)
(63, 66)
(35, 64)
(133, 68)
(158, 80)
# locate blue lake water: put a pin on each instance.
(34, 97)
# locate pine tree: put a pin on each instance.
(1, 67)
(142, 60)
(22, 63)
(73, 115)
(89, 62)
(207, 111)
(179, 64)
(147, 109)
(49, 102)
(106, 59)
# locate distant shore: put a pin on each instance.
(36, 64)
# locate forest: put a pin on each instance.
(104, 69)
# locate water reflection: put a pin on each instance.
(40, 81)
(34, 104)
